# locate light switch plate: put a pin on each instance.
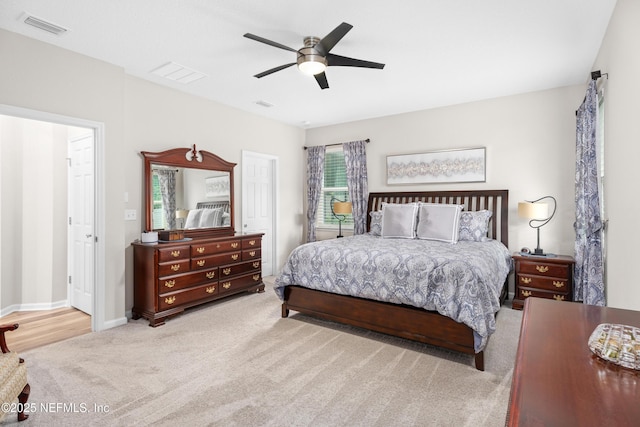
(130, 215)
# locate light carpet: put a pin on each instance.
(236, 362)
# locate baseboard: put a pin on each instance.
(34, 307)
(108, 324)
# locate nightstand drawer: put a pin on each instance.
(549, 283)
(524, 293)
(545, 269)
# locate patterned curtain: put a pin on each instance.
(355, 158)
(315, 171)
(589, 272)
(167, 180)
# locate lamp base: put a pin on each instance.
(538, 252)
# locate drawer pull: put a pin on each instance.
(256, 277)
(558, 297)
(201, 262)
(175, 254)
(218, 246)
(234, 257)
(226, 285)
(170, 283)
(211, 274)
(558, 284)
(526, 280)
(234, 245)
(200, 250)
(256, 264)
(210, 289)
(226, 271)
(542, 268)
(170, 300)
(526, 293)
(252, 242)
(252, 253)
(175, 267)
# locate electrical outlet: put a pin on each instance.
(130, 215)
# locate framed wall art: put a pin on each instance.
(461, 165)
(217, 186)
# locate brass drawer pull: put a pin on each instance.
(175, 267)
(542, 268)
(526, 280)
(252, 253)
(170, 300)
(256, 277)
(170, 283)
(226, 285)
(256, 264)
(252, 242)
(558, 297)
(234, 257)
(201, 262)
(210, 289)
(211, 274)
(175, 254)
(200, 250)
(226, 271)
(234, 245)
(526, 293)
(558, 284)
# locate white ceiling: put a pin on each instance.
(437, 52)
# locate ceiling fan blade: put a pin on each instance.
(321, 78)
(330, 40)
(269, 42)
(273, 70)
(337, 60)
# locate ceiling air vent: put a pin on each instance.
(264, 104)
(44, 25)
(178, 73)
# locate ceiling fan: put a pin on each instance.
(314, 56)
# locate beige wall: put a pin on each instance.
(620, 57)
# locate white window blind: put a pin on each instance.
(334, 184)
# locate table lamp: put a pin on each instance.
(537, 213)
(340, 210)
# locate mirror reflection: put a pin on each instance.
(189, 198)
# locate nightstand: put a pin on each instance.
(548, 277)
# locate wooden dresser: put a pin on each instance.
(544, 277)
(169, 277)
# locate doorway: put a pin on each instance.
(259, 207)
(60, 223)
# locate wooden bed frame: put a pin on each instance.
(406, 321)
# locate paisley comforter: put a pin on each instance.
(462, 281)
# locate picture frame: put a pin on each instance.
(445, 166)
(216, 186)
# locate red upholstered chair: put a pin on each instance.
(13, 377)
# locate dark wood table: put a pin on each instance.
(558, 381)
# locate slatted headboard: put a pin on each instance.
(496, 201)
(223, 204)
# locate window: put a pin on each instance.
(334, 184)
(157, 209)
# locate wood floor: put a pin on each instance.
(38, 328)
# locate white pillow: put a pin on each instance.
(193, 218)
(399, 220)
(210, 218)
(438, 222)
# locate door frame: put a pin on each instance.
(97, 318)
(275, 185)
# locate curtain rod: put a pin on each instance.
(595, 75)
(333, 145)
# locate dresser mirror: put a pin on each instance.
(188, 189)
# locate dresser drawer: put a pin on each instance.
(251, 243)
(250, 254)
(186, 296)
(549, 283)
(524, 293)
(545, 269)
(173, 253)
(236, 269)
(209, 248)
(240, 283)
(205, 262)
(174, 283)
(174, 267)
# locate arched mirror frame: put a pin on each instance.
(187, 158)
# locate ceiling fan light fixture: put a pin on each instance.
(312, 66)
(309, 60)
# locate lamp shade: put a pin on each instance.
(182, 213)
(342, 208)
(533, 210)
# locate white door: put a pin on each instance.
(258, 203)
(81, 223)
